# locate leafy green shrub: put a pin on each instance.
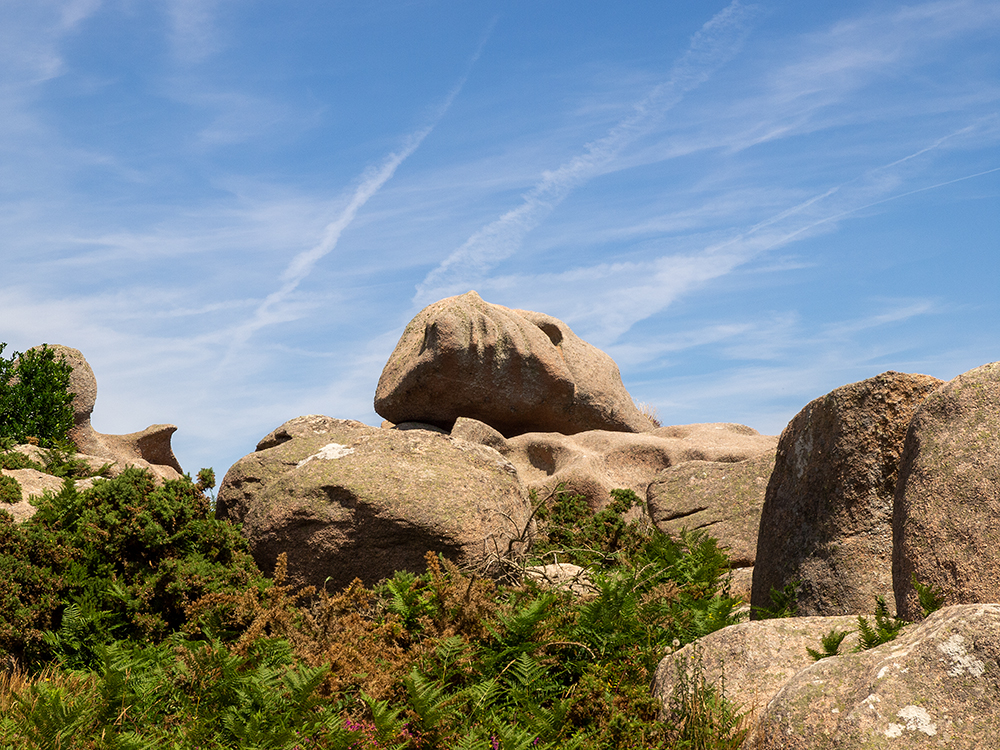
(60, 460)
(30, 588)
(13, 460)
(10, 490)
(134, 557)
(181, 694)
(444, 659)
(34, 397)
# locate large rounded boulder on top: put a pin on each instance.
(947, 513)
(517, 371)
(935, 685)
(723, 499)
(345, 501)
(827, 517)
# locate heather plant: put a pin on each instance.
(35, 400)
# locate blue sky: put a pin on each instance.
(233, 207)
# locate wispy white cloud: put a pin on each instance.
(595, 296)
(714, 45)
(193, 34)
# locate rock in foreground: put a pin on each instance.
(827, 516)
(753, 659)
(345, 500)
(936, 685)
(946, 520)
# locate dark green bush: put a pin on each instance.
(133, 557)
(30, 588)
(10, 490)
(34, 397)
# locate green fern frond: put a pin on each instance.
(429, 700)
(831, 644)
(886, 627)
(931, 600)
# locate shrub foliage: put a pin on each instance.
(35, 401)
(145, 623)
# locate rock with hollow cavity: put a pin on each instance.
(345, 501)
(517, 371)
(595, 462)
(149, 449)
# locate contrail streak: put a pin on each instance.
(372, 181)
(714, 45)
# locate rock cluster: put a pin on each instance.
(936, 685)
(872, 489)
(485, 406)
(149, 449)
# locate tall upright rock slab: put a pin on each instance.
(946, 523)
(827, 516)
(517, 371)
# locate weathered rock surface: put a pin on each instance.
(34, 483)
(936, 685)
(827, 515)
(517, 371)
(722, 499)
(946, 523)
(755, 659)
(149, 449)
(346, 500)
(595, 462)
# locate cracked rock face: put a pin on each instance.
(827, 516)
(344, 500)
(946, 519)
(722, 499)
